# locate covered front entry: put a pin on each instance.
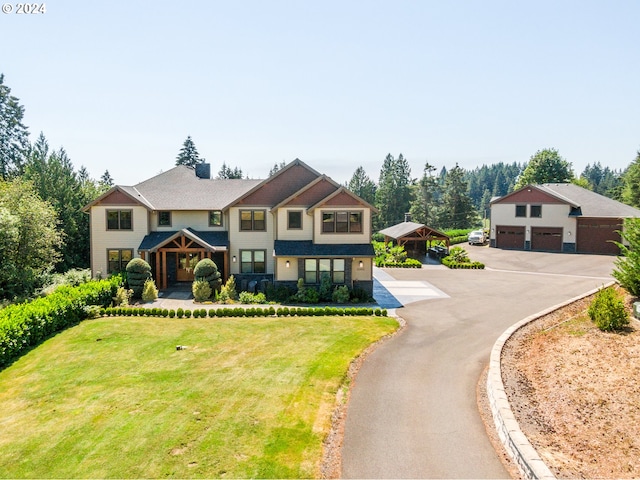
(174, 255)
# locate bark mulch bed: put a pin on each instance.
(576, 393)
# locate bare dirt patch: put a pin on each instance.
(575, 392)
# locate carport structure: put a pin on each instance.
(415, 237)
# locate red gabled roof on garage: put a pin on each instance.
(533, 194)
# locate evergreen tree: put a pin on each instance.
(229, 173)
(546, 166)
(276, 168)
(631, 182)
(14, 137)
(362, 185)
(457, 208)
(55, 180)
(393, 196)
(188, 154)
(426, 196)
(107, 180)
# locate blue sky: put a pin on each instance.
(338, 84)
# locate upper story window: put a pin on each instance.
(521, 210)
(252, 220)
(119, 219)
(342, 222)
(164, 219)
(536, 211)
(294, 220)
(215, 218)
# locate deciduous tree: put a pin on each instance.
(546, 166)
(29, 238)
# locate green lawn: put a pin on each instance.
(113, 398)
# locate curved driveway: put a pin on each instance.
(412, 412)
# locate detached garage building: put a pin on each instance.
(558, 217)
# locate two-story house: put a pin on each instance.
(295, 224)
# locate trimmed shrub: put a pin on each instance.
(607, 310)
(122, 297)
(201, 290)
(138, 272)
(180, 313)
(149, 291)
(248, 298)
(25, 325)
(212, 312)
(228, 290)
(206, 270)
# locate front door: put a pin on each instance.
(186, 264)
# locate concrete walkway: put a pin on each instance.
(413, 410)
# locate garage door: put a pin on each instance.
(510, 237)
(595, 235)
(546, 238)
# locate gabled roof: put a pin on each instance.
(306, 248)
(213, 241)
(180, 189)
(282, 184)
(583, 201)
(309, 190)
(128, 193)
(342, 192)
(406, 229)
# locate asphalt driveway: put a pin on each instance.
(413, 412)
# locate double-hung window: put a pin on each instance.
(119, 219)
(253, 220)
(316, 268)
(342, 222)
(253, 261)
(117, 259)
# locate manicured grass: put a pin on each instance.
(113, 398)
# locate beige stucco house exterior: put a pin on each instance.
(558, 217)
(295, 224)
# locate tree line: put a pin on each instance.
(458, 198)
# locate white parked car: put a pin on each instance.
(477, 237)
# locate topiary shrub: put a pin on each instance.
(206, 270)
(201, 290)
(149, 291)
(180, 313)
(138, 272)
(607, 310)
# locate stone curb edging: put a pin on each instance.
(517, 445)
